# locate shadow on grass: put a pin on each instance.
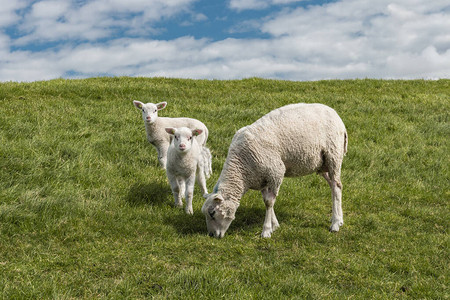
(186, 224)
(153, 193)
(247, 218)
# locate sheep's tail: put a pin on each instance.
(206, 160)
(206, 133)
(345, 142)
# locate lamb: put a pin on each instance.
(292, 141)
(187, 161)
(155, 128)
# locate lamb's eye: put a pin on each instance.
(189, 138)
(155, 110)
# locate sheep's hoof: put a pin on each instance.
(266, 234)
(178, 204)
(335, 226)
(189, 211)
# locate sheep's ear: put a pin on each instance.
(218, 198)
(161, 105)
(170, 130)
(138, 104)
(197, 132)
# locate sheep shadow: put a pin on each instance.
(247, 218)
(186, 224)
(153, 193)
(250, 218)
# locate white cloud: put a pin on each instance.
(245, 26)
(248, 4)
(375, 34)
(200, 17)
(257, 4)
(4, 45)
(53, 20)
(429, 62)
(345, 39)
(8, 11)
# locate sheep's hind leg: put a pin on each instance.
(189, 195)
(201, 180)
(337, 219)
(270, 221)
(162, 158)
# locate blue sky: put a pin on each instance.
(232, 39)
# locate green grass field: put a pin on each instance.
(85, 211)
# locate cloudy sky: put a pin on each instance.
(230, 39)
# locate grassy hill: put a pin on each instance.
(85, 211)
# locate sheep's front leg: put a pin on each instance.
(337, 219)
(189, 194)
(175, 186)
(270, 221)
(201, 180)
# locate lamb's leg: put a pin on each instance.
(162, 156)
(270, 221)
(182, 185)
(189, 194)
(201, 180)
(175, 186)
(337, 219)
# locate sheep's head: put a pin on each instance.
(183, 137)
(149, 110)
(219, 214)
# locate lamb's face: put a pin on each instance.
(149, 110)
(183, 137)
(219, 214)
(149, 113)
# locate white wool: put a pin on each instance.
(187, 161)
(294, 140)
(155, 128)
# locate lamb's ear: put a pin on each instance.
(170, 130)
(196, 132)
(138, 104)
(161, 105)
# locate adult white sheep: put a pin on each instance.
(155, 128)
(186, 162)
(294, 140)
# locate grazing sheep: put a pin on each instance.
(294, 140)
(155, 128)
(186, 159)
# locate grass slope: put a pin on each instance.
(85, 212)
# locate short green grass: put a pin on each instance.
(85, 211)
